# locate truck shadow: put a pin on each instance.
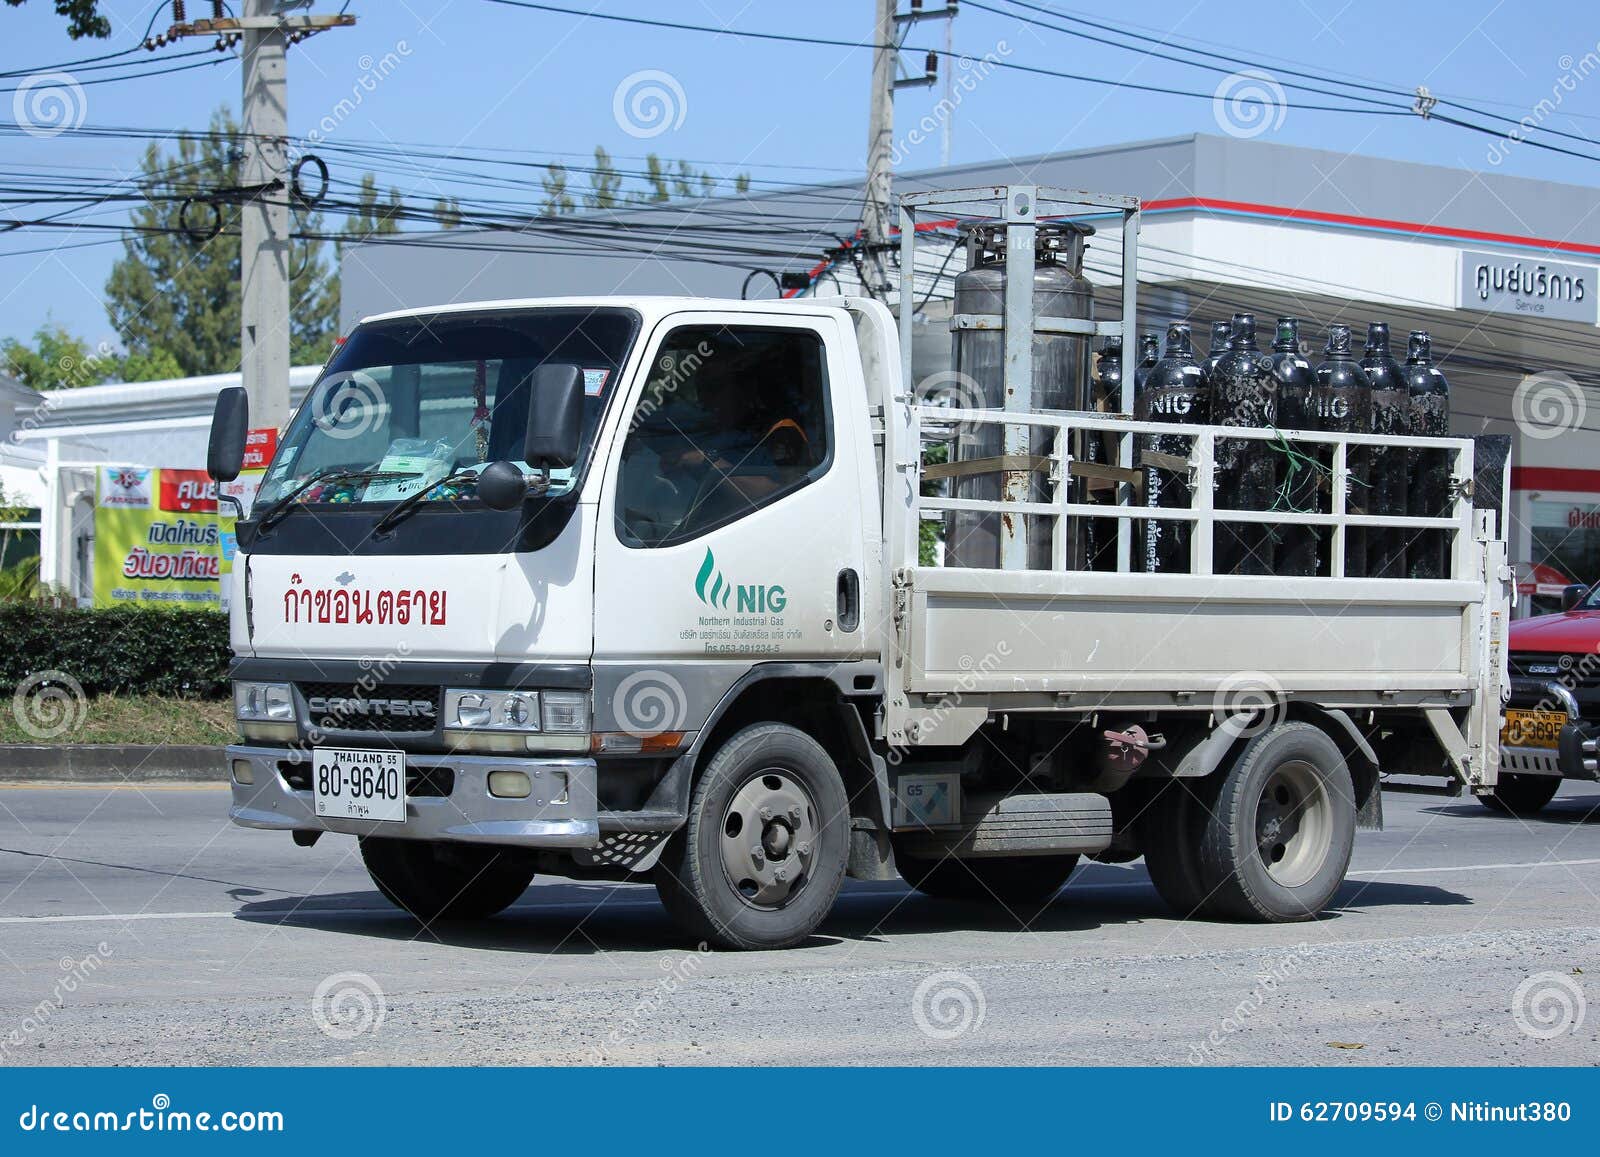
(1563, 810)
(575, 918)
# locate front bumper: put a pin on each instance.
(1566, 760)
(459, 808)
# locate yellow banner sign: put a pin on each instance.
(160, 540)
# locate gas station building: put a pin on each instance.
(1504, 273)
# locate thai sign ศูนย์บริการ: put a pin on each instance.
(159, 538)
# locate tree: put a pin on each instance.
(605, 183)
(83, 18)
(172, 292)
(59, 360)
(56, 360)
(609, 189)
(376, 214)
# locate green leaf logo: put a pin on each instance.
(709, 584)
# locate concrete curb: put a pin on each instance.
(111, 763)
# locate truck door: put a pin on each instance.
(731, 529)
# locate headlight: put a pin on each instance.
(566, 711)
(263, 701)
(491, 710)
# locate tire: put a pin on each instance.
(445, 881)
(1022, 885)
(777, 785)
(1172, 831)
(1521, 795)
(1275, 846)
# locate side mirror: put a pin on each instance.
(230, 426)
(555, 417)
(502, 486)
(1572, 595)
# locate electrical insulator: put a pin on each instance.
(933, 64)
(179, 16)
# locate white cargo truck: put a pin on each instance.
(634, 588)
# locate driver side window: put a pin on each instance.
(732, 419)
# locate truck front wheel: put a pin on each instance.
(763, 855)
(442, 881)
(1275, 844)
(1521, 795)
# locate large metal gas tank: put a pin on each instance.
(1060, 374)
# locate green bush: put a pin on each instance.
(117, 650)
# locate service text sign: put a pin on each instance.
(1506, 283)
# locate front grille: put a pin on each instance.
(431, 782)
(394, 707)
(1571, 670)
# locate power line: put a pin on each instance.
(829, 42)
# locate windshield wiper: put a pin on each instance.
(279, 509)
(411, 501)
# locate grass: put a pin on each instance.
(150, 719)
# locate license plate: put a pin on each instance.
(1533, 728)
(359, 785)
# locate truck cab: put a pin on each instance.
(514, 567)
(1553, 714)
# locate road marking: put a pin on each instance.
(642, 905)
(1473, 868)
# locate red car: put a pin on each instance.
(1552, 725)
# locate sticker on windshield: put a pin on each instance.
(594, 381)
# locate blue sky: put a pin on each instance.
(478, 74)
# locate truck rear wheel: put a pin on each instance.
(1276, 844)
(1521, 795)
(763, 855)
(442, 881)
(1173, 827)
(1022, 884)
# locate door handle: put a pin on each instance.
(849, 617)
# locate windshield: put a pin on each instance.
(414, 401)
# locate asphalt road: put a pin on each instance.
(138, 927)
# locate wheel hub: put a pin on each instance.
(768, 838)
(1294, 825)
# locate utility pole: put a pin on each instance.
(887, 23)
(264, 226)
(264, 219)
